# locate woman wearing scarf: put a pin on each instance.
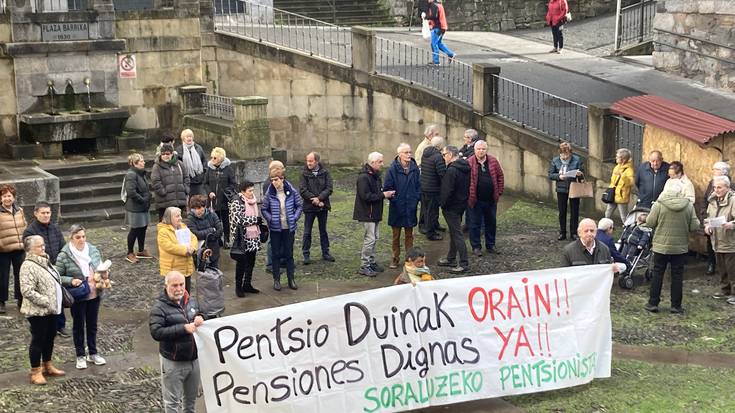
(194, 160)
(560, 165)
(40, 285)
(12, 225)
(244, 219)
(76, 264)
(170, 181)
(219, 182)
(137, 206)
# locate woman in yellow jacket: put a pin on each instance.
(174, 255)
(622, 179)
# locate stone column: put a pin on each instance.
(601, 142)
(363, 53)
(484, 88)
(191, 99)
(251, 137)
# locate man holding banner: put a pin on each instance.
(173, 320)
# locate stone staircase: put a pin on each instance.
(90, 191)
(341, 12)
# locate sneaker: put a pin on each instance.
(559, 51)
(131, 258)
(443, 262)
(676, 310)
(720, 295)
(96, 359)
(367, 271)
(554, 50)
(652, 308)
(2, 308)
(81, 363)
(458, 270)
(62, 333)
(328, 257)
(393, 263)
(143, 254)
(731, 300)
(307, 260)
(376, 267)
(477, 252)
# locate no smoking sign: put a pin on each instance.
(126, 66)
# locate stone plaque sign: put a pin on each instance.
(54, 32)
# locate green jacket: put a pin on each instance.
(68, 268)
(672, 218)
(723, 240)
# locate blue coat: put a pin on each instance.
(271, 209)
(603, 238)
(555, 166)
(402, 210)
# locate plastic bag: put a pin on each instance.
(425, 31)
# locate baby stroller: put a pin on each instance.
(635, 246)
(210, 282)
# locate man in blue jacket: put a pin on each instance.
(650, 179)
(173, 320)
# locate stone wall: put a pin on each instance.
(8, 106)
(500, 15)
(167, 48)
(696, 39)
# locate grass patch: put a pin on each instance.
(641, 387)
(530, 212)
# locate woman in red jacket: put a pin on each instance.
(556, 17)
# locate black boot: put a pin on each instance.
(562, 236)
(238, 286)
(277, 284)
(292, 284)
(248, 288)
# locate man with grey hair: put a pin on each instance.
(404, 178)
(173, 320)
(487, 184)
(432, 171)
(470, 137)
(368, 211)
(650, 179)
(718, 169)
(721, 207)
(454, 194)
(429, 132)
(315, 188)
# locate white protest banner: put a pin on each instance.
(405, 347)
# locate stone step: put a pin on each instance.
(86, 191)
(96, 202)
(80, 215)
(65, 170)
(108, 177)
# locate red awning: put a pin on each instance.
(693, 124)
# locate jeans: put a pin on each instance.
(726, 269)
(677, 277)
(430, 205)
(309, 218)
(283, 250)
(179, 385)
(85, 312)
(485, 213)
(558, 35)
(60, 320)
(456, 239)
(562, 200)
(407, 243)
(437, 45)
(622, 210)
(14, 258)
(369, 240)
(43, 332)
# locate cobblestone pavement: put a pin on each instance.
(594, 36)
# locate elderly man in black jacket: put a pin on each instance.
(315, 188)
(455, 191)
(173, 320)
(432, 171)
(368, 210)
(54, 241)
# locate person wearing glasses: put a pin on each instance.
(40, 285)
(77, 263)
(220, 185)
(282, 207)
(403, 176)
(432, 171)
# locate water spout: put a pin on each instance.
(89, 95)
(51, 94)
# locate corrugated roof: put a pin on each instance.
(696, 125)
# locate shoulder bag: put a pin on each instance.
(608, 196)
(67, 300)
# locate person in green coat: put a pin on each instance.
(672, 218)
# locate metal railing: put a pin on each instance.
(269, 25)
(218, 106)
(629, 134)
(535, 109)
(635, 24)
(46, 6)
(451, 77)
